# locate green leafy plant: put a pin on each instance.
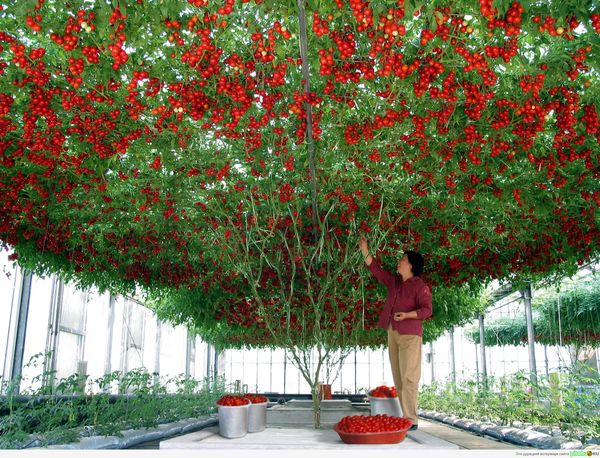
(181, 146)
(566, 400)
(561, 317)
(146, 402)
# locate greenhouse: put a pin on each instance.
(329, 225)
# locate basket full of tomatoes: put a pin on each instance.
(372, 429)
(233, 416)
(384, 401)
(257, 412)
(383, 392)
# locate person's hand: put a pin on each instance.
(364, 246)
(399, 316)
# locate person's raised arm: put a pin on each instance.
(383, 276)
(364, 248)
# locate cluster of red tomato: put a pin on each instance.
(372, 424)
(256, 398)
(47, 129)
(237, 400)
(230, 400)
(384, 392)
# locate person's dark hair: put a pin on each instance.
(416, 261)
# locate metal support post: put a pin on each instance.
(216, 364)
(109, 335)
(23, 314)
(51, 357)
(482, 351)
(355, 372)
(208, 361)
(452, 357)
(526, 294)
(284, 371)
(188, 353)
(157, 350)
(431, 361)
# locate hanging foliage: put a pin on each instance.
(501, 332)
(569, 317)
(179, 146)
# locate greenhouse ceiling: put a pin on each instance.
(236, 146)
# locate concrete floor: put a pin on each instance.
(289, 427)
(304, 438)
(430, 435)
(453, 438)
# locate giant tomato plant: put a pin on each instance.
(179, 146)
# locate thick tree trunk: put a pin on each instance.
(316, 398)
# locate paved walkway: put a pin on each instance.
(430, 434)
(289, 426)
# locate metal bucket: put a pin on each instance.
(257, 417)
(233, 421)
(385, 406)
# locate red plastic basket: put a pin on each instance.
(386, 437)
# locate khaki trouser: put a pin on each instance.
(405, 359)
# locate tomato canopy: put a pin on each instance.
(224, 148)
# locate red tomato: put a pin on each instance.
(384, 392)
(232, 400)
(372, 424)
(256, 398)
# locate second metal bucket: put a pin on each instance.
(233, 421)
(385, 406)
(257, 417)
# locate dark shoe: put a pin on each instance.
(413, 427)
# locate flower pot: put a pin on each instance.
(233, 421)
(387, 406)
(257, 417)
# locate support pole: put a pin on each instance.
(452, 357)
(560, 339)
(431, 361)
(526, 294)
(216, 364)
(208, 361)
(188, 353)
(355, 372)
(109, 336)
(53, 330)
(23, 314)
(157, 349)
(477, 363)
(482, 351)
(271, 370)
(284, 370)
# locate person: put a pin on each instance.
(408, 303)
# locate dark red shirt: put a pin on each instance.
(403, 296)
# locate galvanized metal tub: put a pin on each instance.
(233, 421)
(385, 406)
(257, 417)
